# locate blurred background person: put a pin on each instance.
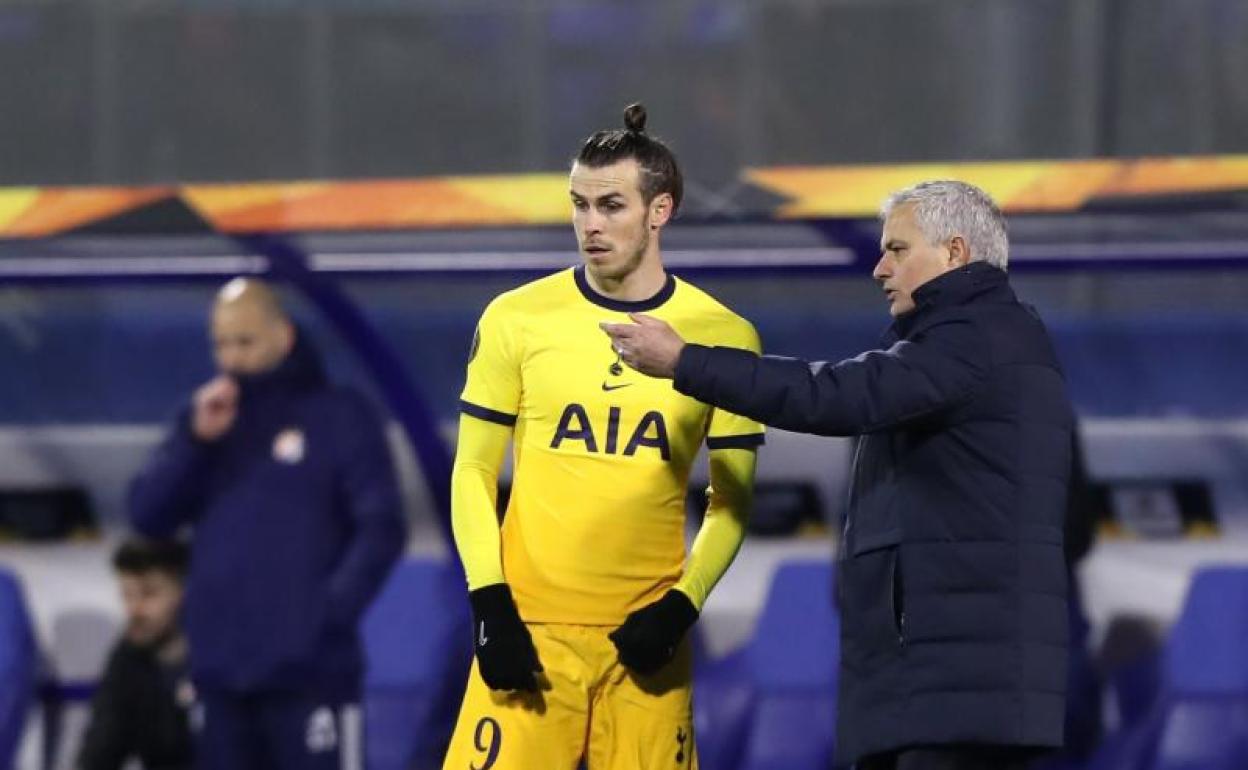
(289, 489)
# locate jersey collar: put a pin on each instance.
(623, 306)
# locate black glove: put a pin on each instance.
(649, 637)
(503, 645)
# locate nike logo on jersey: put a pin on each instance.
(609, 388)
(481, 638)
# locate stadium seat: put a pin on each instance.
(18, 667)
(723, 696)
(791, 662)
(1206, 676)
(416, 641)
(1200, 720)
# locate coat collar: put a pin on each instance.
(300, 371)
(975, 282)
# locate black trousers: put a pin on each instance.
(953, 757)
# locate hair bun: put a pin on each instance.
(635, 118)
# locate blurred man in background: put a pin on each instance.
(142, 707)
(289, 488)
(582, 602)
(952, 576)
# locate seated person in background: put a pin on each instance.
(141, 709)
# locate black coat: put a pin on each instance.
(951, 579)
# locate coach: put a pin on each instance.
(288, 485)
(951, 580)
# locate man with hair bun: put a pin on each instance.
(583, 598)
(951, 577)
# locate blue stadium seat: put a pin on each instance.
(18, 666)
(792, 662)
(1200, 721)
(723, 698)
(1204, 735)
(792, 731)
(416, 641)
(1206, 676)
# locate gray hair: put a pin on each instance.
(946, 208)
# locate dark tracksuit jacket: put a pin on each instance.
(951, 576)
(141, 709)
(296, 522)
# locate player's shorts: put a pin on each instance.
(594, 708)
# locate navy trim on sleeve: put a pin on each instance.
(743, 441)
(489, 415)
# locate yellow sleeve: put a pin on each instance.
(723, 528)
(492, 386)
(479, 454)
(727, 430)
(489, 404)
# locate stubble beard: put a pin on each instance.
(630, 264)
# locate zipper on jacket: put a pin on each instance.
(899, 610)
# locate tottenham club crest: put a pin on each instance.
(289, 446)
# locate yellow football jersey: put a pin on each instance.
(594, 528)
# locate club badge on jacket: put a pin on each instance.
(289, 446)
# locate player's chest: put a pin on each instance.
(581, 384)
